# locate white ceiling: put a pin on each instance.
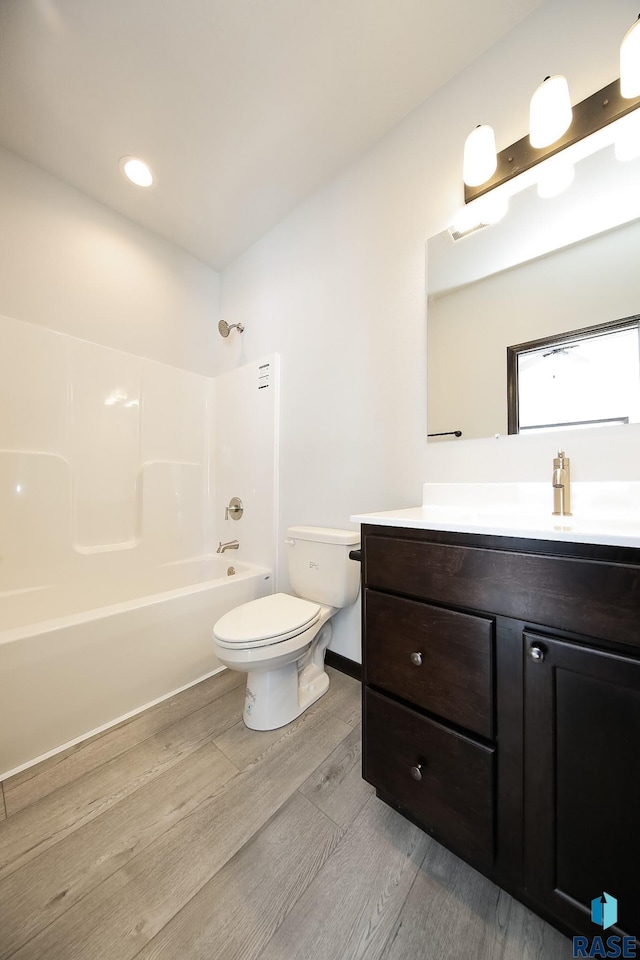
(241, 107)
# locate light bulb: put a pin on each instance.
(137, 171)
(630, 62)
(550, 112)
(480, 158)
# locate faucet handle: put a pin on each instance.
(235, 509)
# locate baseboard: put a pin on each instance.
(343, 664)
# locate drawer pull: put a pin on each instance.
(536, 653)
(416, 659)
(416, 772)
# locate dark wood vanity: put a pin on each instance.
(501, 709)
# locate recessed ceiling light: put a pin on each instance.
(136, 171)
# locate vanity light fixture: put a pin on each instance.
(137, 171)
(555, 126)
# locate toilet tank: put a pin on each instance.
(319, 564)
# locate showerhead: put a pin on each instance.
(225, 329)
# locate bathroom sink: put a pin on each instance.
(602, 512)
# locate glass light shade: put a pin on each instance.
(137, 171)
(550, 112)
(480, 157)
(630, 62)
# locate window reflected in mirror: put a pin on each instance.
(584, 378)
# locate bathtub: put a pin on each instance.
(77, 658)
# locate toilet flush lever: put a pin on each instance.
(289, 542)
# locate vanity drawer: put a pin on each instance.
(569, 593)
(453, 797)
(439, 659)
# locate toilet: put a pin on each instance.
(280, 640)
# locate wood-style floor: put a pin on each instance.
(180, 834)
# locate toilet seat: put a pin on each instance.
(266, 621)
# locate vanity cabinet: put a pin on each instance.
(501, 709)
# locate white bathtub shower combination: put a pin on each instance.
(114, 473)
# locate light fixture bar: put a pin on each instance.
(589, 116)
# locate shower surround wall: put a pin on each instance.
(102, 453)
(246, 441)
(114, 473)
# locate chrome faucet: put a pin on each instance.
(561, 480)
(231, 545)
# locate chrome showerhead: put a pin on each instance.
(225, 329)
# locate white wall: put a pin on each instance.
(338, 288)
(70, 264)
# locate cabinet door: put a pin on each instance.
(582, 781)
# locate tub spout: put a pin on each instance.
(231, 545)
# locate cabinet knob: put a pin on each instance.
(536, 653)
(416, 659)
(416, 772)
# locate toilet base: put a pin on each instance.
(274, 698)
(286, 678)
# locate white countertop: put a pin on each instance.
(604, 514)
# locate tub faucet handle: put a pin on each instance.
(235, 509)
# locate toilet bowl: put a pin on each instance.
(280, 640)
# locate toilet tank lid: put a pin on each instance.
(324, 535)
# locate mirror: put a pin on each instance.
(550, 267)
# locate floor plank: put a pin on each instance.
(343, 698)
(44, 823)
(526, 936)
(38, 781)
(49, 885)
(117, 919)
(337, 787)
(3, 806)
(451, 904)
(235, 914)
(350, 908)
